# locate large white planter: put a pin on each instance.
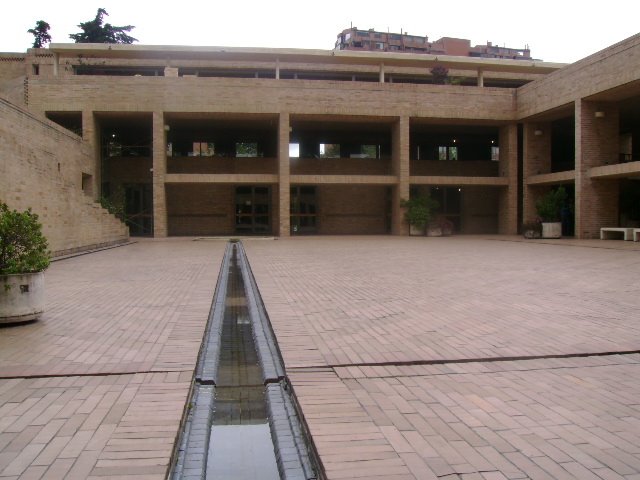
(551, 229)
(417, 231)
(21, 297)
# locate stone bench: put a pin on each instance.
(636, 234)
(628, 234)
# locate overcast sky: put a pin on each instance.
(555, 30)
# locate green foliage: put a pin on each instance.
(23, 247)
(115, 206)
(440, 74)
(550, 205)
(419, 210)
(40, 33)
(94, 31)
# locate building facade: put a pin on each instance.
(375, 41)
(235, 141)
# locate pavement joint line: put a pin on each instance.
(542, 242)
(93, 250)
(468, 360)
(89, 374)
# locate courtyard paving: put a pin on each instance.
(411, 358)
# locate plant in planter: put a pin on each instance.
(549, 208)
(418, 213)
(23, 258)
(532, 229)
(440, 227)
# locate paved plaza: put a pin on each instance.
(475, 358)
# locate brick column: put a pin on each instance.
(284, 185)
(91, 138)
(159, 173)
(508, 200)
(536, 160)
(597, 144)
(400, 163)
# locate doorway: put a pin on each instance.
(253, 210)
(138, 208)
(304, 210)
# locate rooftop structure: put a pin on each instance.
(373, 40)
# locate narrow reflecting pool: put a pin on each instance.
(240, 445)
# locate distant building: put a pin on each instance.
(372, 40)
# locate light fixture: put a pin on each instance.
(599, 114)
(537, 132)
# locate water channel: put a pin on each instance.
(240, 446)
(241, 423)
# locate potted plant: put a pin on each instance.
(549, 208)
(418, 213)
(440, 227)
(23, 258)
(532, 229)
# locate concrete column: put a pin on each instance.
(284, 184)
(277, 69)
(159, 174)
(382, 73)
(400, 161)
(536, 160)
(91, 139)
(480, 77)
(508, 199)
(597, 144)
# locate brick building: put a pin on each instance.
(230, 141)
(375, 41)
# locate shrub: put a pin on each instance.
(23, 247)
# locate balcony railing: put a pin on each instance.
(455, 168)
(340, 166)
(222, 165)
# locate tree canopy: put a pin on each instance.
(40, 33)
(94, 31)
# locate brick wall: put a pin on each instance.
(597, 143)
(352, 209)
(479, 210)
(200, 209)
(41, 167)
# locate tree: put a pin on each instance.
(41, 34)
(94, 31)
(440, 74)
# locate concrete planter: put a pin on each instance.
(551, 229)
(417, 231)
(21, 297)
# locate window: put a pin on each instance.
(495, 153)
(369, 151)
(246, 149)
(294, 150)
(380, 45)
(202, 149)
(329, 150)
(447, 153)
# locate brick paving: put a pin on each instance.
(408, 357)
(100, 382)
(393, 348)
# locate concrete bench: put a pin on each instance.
(636, 234)
(605, 232)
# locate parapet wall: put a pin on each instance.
(42, 167)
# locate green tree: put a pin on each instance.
(440, 74)
(41, 34)
(94, 31)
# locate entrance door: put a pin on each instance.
(138, 208)
(253, 210)
(303, 210)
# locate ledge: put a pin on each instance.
(457, 181)
(551, 178)
(618, 170)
